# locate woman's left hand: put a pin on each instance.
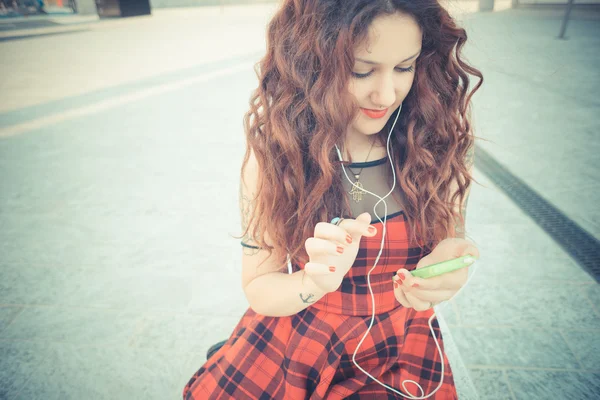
(422, 294)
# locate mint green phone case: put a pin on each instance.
(443, 267)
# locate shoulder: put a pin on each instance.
(248, 200)
(250, 173)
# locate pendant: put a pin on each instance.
(357, 191)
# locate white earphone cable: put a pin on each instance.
(410, 396)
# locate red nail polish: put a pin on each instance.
(349, 239)
(372, 229)
(340, 249)
(401, 275)
(332, 269)
(396, 285)
(415, 285)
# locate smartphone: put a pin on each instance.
(443, 267)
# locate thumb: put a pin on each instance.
(358, 226)
(364, 217)
(464, 247)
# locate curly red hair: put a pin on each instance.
(302, 108)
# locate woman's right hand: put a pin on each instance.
(333, 249)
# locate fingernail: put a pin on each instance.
(340, 249)
(331, 269)
(349, 239)
(401, 276)
(372, 229)
(396, 285)
(415, 285)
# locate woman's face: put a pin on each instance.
(394, 44)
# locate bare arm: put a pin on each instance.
(279, 294)
(269, 291)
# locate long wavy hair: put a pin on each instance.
(302, 108)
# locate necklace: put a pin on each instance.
(357, 189)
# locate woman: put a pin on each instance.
(347, 89)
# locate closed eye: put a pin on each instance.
(399, 69)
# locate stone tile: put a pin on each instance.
(524, 305)
(119, 372)
(575, 171)
(529, 385)
(512, 268)
(524, 238)
(449, 312)
(490, 384)
(18, 360)
(86, 240)
(462, 380)
(183, 333)
(132, 289)
(230, 302)
(570, 169)
(586, 346)
(593, 293)
(84, 326)
(35, 285)
(7, 315)
(488, 205)
(513, 347)
(218, 289)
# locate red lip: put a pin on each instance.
(374, 113)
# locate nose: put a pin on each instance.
(385, 93)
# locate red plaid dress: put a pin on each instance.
(309, 355)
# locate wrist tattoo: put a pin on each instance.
(308, 299)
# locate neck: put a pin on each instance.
(357, 149)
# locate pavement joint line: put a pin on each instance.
(507, 380)
(107, 104)
(573, 353)
(39, 35)
(522, 328)
(522, 368)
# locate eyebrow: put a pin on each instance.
(376, 63)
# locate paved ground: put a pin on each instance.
(119, 162)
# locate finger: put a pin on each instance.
(316, 247)
(407, 280)
(417, 303)
(461, 247)
(361, 226)
(312, 268)
(434, 296)
(334, 233)
(449, 281)
(401, 297)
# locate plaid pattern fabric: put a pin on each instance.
(309, 355)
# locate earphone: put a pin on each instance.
(382, 199)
